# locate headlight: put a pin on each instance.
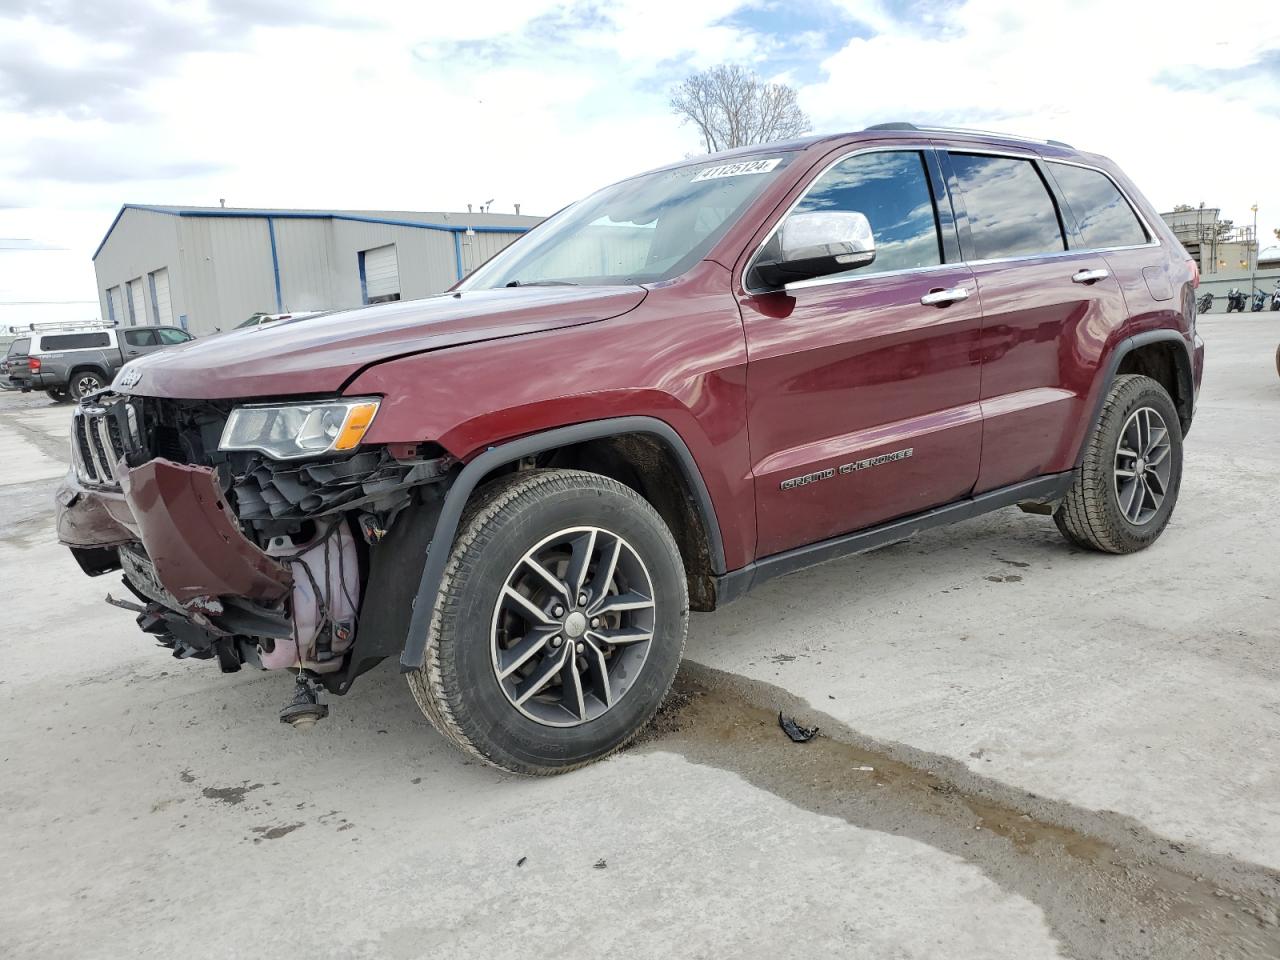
(295, 430)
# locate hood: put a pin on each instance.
(320, 354)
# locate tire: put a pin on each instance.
(478, 630)
(83, 382)
(1103, 510)
(57, 396)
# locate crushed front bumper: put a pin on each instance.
(202, 582)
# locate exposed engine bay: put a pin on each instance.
(242, 558)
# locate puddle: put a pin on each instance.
(1108, 887)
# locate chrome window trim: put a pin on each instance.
(1133, 207)
(911, 147)
(903, 146)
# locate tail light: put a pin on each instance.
(1195, 273)
(33, 363)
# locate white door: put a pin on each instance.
(137, 302)
(381, 274)
(115, 307)
(160, 303)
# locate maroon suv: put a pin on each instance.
(676, 389)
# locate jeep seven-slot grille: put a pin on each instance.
(98, 445)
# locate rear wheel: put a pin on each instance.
(84, 382)
(559, 626)
(1127, 483)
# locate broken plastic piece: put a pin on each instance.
(793, 730)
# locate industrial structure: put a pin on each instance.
(211, 268)
(1227, 255)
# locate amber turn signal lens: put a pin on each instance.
(354, 426)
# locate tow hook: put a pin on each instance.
(305, 708)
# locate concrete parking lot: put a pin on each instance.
(1026, 751)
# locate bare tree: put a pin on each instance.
(732, 107)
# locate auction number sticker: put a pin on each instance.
(738, 169)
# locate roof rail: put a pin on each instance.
(53, 326)
(903, 125)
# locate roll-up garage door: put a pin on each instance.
(137, 303)
(160, 303)
(381, 274)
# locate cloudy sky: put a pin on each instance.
(432, 105)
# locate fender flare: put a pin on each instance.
(1119, 352)
(497, 456)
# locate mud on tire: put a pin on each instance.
(1101, 510)
(459, 687)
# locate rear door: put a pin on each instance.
(1045, 312)
(862, 399)
(136, 342)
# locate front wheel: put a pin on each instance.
(1127, 482)
(559, 626)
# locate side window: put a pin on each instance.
(139, 338)
(891, 189)
(1011, 212)
(170, 335)
(1101, 211)
(74, 341)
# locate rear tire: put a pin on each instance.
(81, 383)
(1127, 483)
(504, 630)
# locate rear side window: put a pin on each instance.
(1101, 211)
(139, 338)
(170, 335)
(19, 347)
(74, 341)
(892, 190)
(1011, 212)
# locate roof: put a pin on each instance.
(448, 222)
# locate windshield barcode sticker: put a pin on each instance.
(737, 169)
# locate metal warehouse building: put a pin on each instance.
(210, 268)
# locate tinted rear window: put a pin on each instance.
(74, 341)
(19, 347)
(1011, 212)
(1101, 211)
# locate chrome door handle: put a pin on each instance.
(1089, 276)
(940, 298)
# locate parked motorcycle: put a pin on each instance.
(1275, 297)
(1235, 299)
(1205, 303)
(1259, 301)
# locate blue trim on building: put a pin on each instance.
(364, 287)
(155, 301)
(298, 215)
(275, 263)
(457, 253)
(111, 305)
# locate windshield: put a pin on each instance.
(642, 230)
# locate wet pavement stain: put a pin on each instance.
(229, 795)
(1107, 886)
(275, 833)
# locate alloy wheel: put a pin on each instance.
(1142, 465)
(572, 626)
(86, 384)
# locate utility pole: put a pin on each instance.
(1253, 263)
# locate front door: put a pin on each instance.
(863, 387)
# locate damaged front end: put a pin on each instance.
(308, 564)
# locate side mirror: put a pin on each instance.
(815, 244)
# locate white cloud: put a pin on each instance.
(430, 106)
(1159, 87)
